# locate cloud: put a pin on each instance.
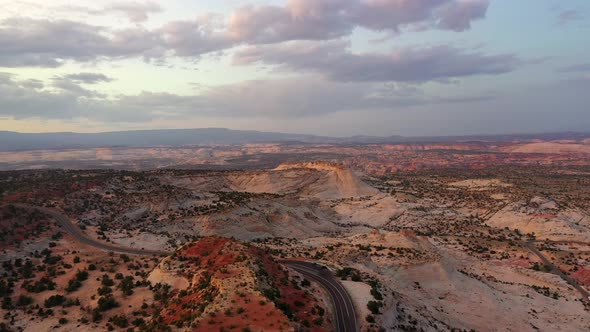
(47, 43)
(307, 96)
(329, 19)
(73, 87)
(299, 19)
(29, 42)
(64, 99)
(458, 15)
(581, 67)
(194, 38)
(88, 78)
(135, 11)
(569, 15)
(32, 84)
(21, 100)
(6, 79)
(315, 20)
(333, 60)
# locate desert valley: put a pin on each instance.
(423, 237)
(294, 166)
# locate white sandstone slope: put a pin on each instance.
(318, 179)
(336, 181)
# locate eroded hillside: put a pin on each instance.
(417, 250)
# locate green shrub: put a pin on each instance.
(54, 300)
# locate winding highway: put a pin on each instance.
(75, 232)
(346, 320)
(555, 270)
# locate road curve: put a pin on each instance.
(75, 232)
(346, 320)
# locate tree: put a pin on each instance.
(106, 303)
(82, 275)
(126, 285)
(73, 285)
(374, 306)
(104, 291)
(7, 303)
(54, 300)
(27, 270)
(119, 320)
(24, 300)
(5, 288)
(106, 281)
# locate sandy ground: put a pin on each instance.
(448, 286)
(546, 224)
(479, 184)
(375, 211)
(360, 294)
(452, 297)
(140, 240)
(550, 147)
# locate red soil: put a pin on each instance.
(582, 276)
(211, 252)
(259, 314)
(289, 293)
(209, 258)
(22, 226)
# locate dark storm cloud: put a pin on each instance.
(404, 65)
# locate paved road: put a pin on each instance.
(346, 320)
(74, 231)
(557, 271)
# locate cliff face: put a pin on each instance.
(232, 285)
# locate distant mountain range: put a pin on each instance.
(13, 141)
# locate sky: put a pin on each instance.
(325, 67)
